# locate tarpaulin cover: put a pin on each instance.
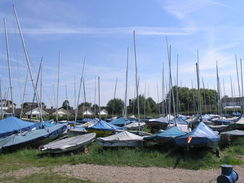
(122, 136)
(31, 136)
(120, 121)
(11, 125)
(104, 126)
(201, 135)
(170, 133)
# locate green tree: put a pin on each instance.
(188, 101)
(95, 108)
(146, 106)
(84, 105)
(115, 106)
(66, 105)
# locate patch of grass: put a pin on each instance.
(149, 155)
(43, 178)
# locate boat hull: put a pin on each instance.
(68, 144)
(131, 143)
(34, 141)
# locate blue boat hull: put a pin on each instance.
(31, 139)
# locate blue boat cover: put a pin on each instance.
(31, 136)
(221, 122)
(181, 121)
(202, 135)
(104, 126)
(120, 121)
(167, 134)
(11, 125)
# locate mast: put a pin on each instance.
(218, 88)
(242, 105)
(171, 89)
(95, 96)
(177, 87)
(145, 101)
(231, 85)
(115, 87)
(137, 82)
(77, 106)
(198, 86)
(36, 85)
(2, 115)
(27, 60)
(66, 96)
(237, 74)
(126, 84)
(98, 82)
(84, 90)
(78, 99)
(22, 107)
(75, 93)
(9, 67)
(158, 100)
(41, 90)
(163, 89)
(59, 57)
(204, 93)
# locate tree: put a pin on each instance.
(66, 105)
(188, 99)
(147, 106)
(95, 108)
(115, 106)
(84, 105)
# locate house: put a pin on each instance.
(35, 113)
(88, 112)
(7, 104)
(61, 112)
(103, 112)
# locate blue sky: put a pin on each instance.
(101, 31)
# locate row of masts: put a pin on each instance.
(175, 101)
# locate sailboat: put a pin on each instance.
(167, 136)
(122, 139)
(32, 138)
(102, 128)
(69, 144)
(201, 136)
(12, 125)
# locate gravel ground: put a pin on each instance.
(114, 174)
(21, 172)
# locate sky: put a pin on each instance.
(101, 31)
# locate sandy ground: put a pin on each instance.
(114, 174)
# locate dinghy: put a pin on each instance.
(158, 123)
(122, 139)
(120, 122)
(201, 136)
(12, 125)
(102, 128)
(229, 136)
(166, 136)
(31, 138)
(135, 125)
(238, 124)
(68, 144)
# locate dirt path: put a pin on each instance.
(114, 174)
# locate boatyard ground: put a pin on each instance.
(145, 164)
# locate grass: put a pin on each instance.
(43, 178)
(149, 155)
